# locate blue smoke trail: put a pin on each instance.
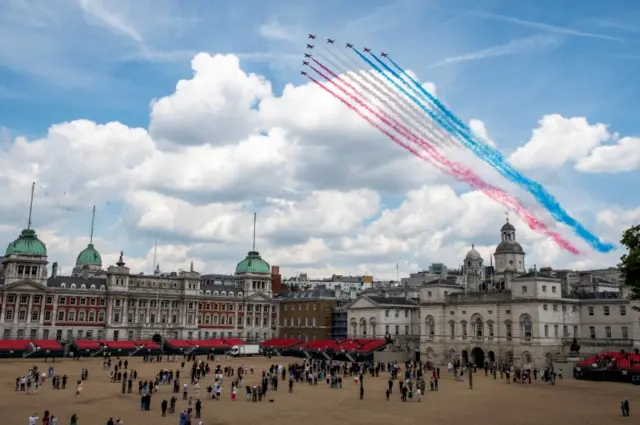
(489, 155)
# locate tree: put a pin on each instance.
(630, 262)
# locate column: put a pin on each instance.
(4, 308)
(16, 310)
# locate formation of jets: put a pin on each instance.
(331, 41)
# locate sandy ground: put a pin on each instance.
(491, 402)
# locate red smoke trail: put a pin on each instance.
(436, 159)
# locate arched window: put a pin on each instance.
(231, 293)
(83, 286)
(354, 327)
(223, 293)
(207, 292)
(478, 326)
(73, 286)
(465, 329)
(372, 324)
(431, 327)
(102, 287)
(215, 293)
(526, 357)
(63, 285)
(240, 294)
(93, 287)
(363, 327)
(526, 327)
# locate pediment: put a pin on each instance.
(362, 302)
(24, 285)
(259, 297)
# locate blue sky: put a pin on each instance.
(507, 63)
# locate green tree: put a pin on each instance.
(630, 262)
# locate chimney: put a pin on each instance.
(385, 293)
(338, 292)
(54, 270)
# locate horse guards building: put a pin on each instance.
(501, 313)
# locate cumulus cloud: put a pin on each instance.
(558, 140)
(624, 156)
(332, 194)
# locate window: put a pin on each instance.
(92, 316)
(89, 335)
(49, 299)
(544, 288)
(545, 307)
(464, 329)
(33, 334)
(575, 331)
(386, 313)
(37, 299)
(490, 330)
(509, 329)
(565, 331)
(45, 334)
(564, 308)
(24, 299)
(527, 328)
(47, 316)
(574, 308)
(524, 289)
(116, 335)
(406, 313)
(546, 331)
(555, 331)
(452, 330)
(8, 315)
(592, 332)
(397, 313)
(607, 310)
(61, 316)
(72, 316)
(83, 300)
(607, 332)
(623, 310)
(555, 307)
(397, 329)
(590, 311)
(72, 300)
(553, 289)
(35, 315)
(478, 328)
(625, 332)
(22, 315)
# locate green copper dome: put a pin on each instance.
(27, 244)
(253, 263)
(89, 256)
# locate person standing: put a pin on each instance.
(33, 419)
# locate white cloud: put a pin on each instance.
(274, 30)
(332, 194)
(558, 140)
(622, 157)
(480, 131)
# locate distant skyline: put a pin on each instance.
(179, 120)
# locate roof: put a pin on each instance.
(308, 295)
(396, 301)
(509, 247)
(473, 254)
(253, 263)
(27, 244)
(56, 282)
(89, 256)
(508, 227)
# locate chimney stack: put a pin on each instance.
(54, 270)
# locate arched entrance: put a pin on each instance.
(157, 338)
(548, 359)
(477, 355)
(465, 357)
(492, 356)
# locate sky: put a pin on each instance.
(180, 120)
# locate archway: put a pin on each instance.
(492, 356)
(465, 357)
(548, 359)
(477, 355)
(157, 338)
(452, 355)
(430, 354)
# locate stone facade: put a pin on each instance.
(527, 318)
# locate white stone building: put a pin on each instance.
(116, 304)
(513, 315)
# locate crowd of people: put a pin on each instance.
(209, 379)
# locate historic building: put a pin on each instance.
(312, 315)
(115, 304)
(508, 313)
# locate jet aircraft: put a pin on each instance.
(312, 36)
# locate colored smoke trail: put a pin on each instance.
(491, 156)
(433, 156)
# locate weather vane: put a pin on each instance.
(506, 214)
